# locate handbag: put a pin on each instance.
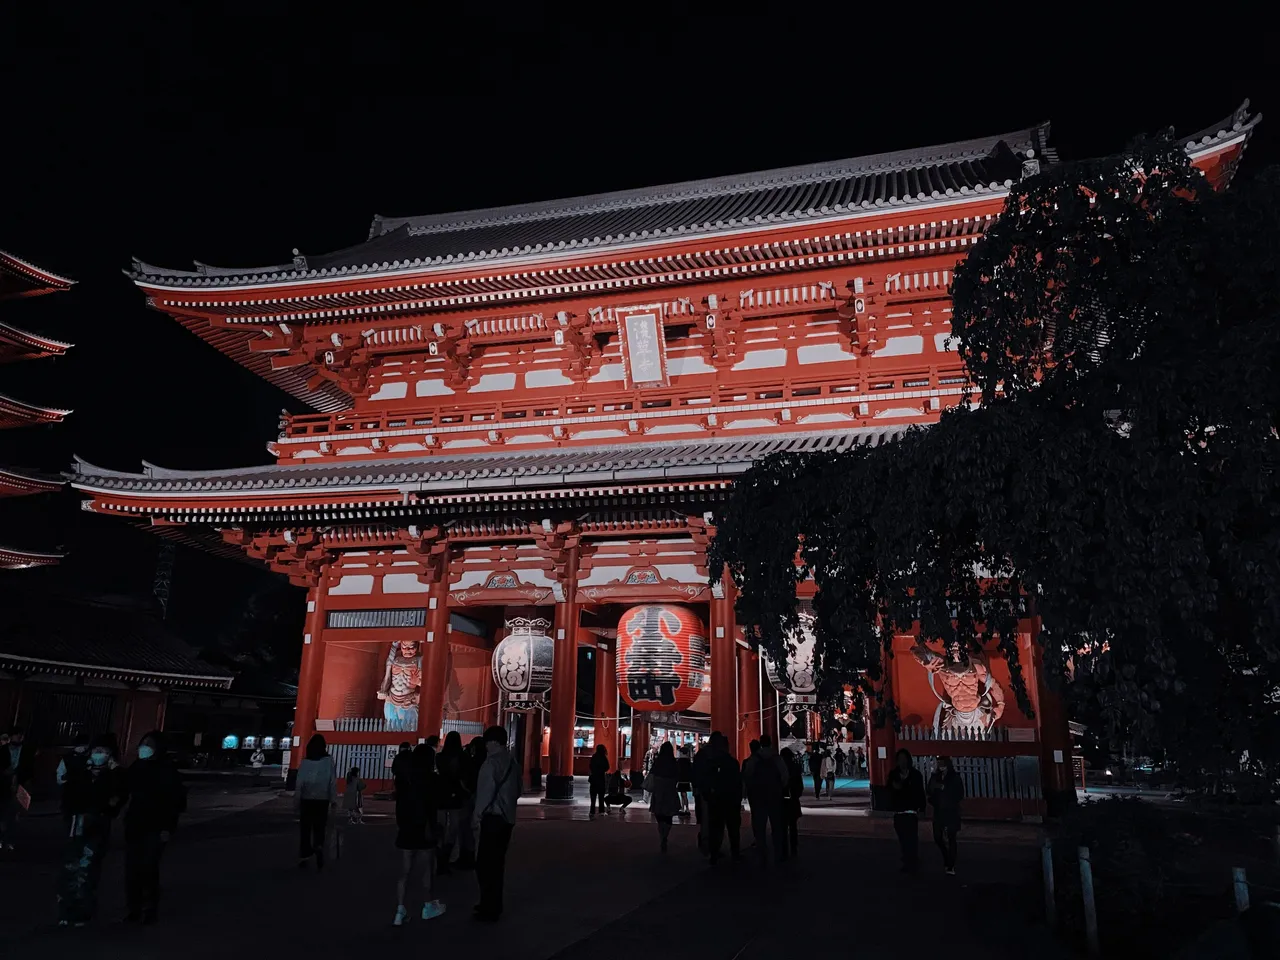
(647, 786)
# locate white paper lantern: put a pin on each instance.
(799, 676)
(522, 662)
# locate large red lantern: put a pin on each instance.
(662, 657)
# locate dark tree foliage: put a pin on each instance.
(1120, 324)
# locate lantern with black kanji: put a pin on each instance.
(798, 677)
(522, 661)
(662, 657)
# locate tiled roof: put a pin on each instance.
(16, 483)
(20, 278)
(696, 208)
(814, 192)
(17, 344)
(100, 640)
(488, 471)
(15, 413)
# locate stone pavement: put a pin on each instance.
(575, 889)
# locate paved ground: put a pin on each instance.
(576, 889)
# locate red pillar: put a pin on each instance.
(724, 680)
(435, 660)
(606, 700)
(1056, 769)
(564, 686)
(489, 693)
(310, 671)
(639, 739)
(881, 744)
(748, 699)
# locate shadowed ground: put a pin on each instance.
(575, 889)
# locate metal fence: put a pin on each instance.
(370, 758)
(992, 778)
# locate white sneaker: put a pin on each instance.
(402, 915)
(432, 909)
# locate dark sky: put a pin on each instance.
(196, 133)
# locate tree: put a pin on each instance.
(1120, 326)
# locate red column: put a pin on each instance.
(1056, 770)
(639, 739)
(310, 671)
(489, 694)
(748, 699)
(435, 660)
(564, 686)
(606, 700)
(881, 744)
(724, 681)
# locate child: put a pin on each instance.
(353, 798)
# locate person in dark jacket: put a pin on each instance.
(417, 832)
(597, 778)
(698, 778)
(814, 758)
(473, 757)
(17, 769)
(684, 778)
(946, 790)
(723, 786)
(906, 795)
(764, 776)
(791, 801)
(156, 799)
(449, 768)
(95, 793)
(618, 795)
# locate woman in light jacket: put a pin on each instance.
(315, 795)
(664, 803)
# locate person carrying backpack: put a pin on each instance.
(765, 776)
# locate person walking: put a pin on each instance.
(946, 790)
(829, 774)
(906, 796)
(156, 799)
(315, 794)
(449, 766)
(684, 778)
(765, 777)
(17, 768)
(94, 795)
(664, 804)
(353, 796)
(791, 801)
(723, 786)
(815, 769)
(417, 833)
(753, 748)
(597, 779)
(497, 794)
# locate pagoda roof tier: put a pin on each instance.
(808, 194)
(219, 495)
(91, 640)
(16, 558)
(20, 278)
(18, 483)
(16, 344)
(15, 413)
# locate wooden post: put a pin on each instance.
(724, 668)
(1241, 884)
(310, 672)
(606, 700)
(1050, 900)
(564, 686)
(1090, 907)
(435, 659)
(748, 700)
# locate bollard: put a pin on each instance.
(1050, 901)
(1090, 908)
(1241, 884)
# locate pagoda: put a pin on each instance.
(543, 406)
(20, 279)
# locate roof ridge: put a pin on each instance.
(727, 184)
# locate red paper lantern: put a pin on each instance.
(662, 657)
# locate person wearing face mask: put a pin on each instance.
(94, 795)
(156, 799)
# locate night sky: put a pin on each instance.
(189, 134)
